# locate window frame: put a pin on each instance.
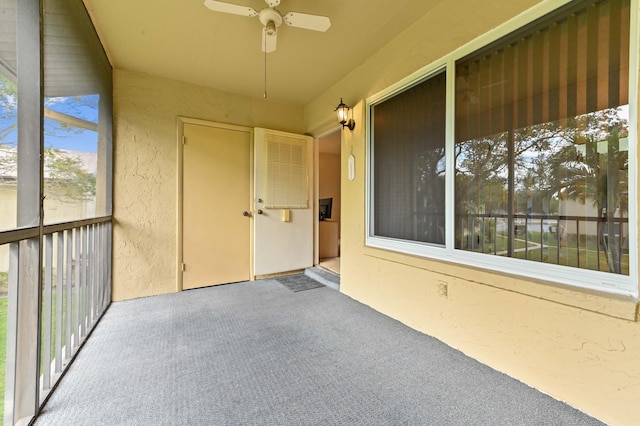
(575, 278)
(370, 159)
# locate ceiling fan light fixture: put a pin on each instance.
(270, 28)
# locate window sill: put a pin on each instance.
(617, 306)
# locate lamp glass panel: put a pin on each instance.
(343, 112)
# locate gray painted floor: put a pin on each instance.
(257, 353)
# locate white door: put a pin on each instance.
(283, 210)
(216, 221)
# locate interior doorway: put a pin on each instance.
(329, 196)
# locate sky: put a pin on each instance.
(85, 107)
(56, 134)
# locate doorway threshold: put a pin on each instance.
(331, 264)
(324, 276)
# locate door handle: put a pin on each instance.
(246, 213)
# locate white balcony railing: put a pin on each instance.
(75, 292)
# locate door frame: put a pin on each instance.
(180, 188)
(319, 134)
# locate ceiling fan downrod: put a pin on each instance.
(265, 67)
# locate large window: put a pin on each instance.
(409, 143)
(541, 145)
(541, 142)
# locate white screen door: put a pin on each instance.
(283, 210)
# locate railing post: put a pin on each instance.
(92, 268)
(77, 234)
(12, 335)
(558, 241)
(526, 236)
(109, 257)
(541, 239)
(100, 260)
(83, 283)
(47, 312)
(69, 294)
(578, 239)
(59, 300)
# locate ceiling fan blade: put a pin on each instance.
(220, 6)
(268, 40)
(308, 22)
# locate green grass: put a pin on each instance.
(543, 247)
(3, 340)
(588, 258)
(54, 324)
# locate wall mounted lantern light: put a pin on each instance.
(343, 113)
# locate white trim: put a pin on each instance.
(557, 274)
(414, 79)
(369, 170)
(634, 64)
(571, 276)
(449, 149)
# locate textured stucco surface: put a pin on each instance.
(581, 348)
(145, 169)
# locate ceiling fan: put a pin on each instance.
(271, 18)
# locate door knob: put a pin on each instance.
(246, 213)
(259, 211)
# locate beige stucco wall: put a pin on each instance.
(581, 348)
(145, 169)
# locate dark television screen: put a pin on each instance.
(325, 208)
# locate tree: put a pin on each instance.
(65, 178)
(597, 173)
(582, 160)
(8, 107)
(430, 194)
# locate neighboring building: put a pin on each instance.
(57, 209)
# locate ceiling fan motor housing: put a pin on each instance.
(270, 15)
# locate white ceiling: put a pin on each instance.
(183, 40)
